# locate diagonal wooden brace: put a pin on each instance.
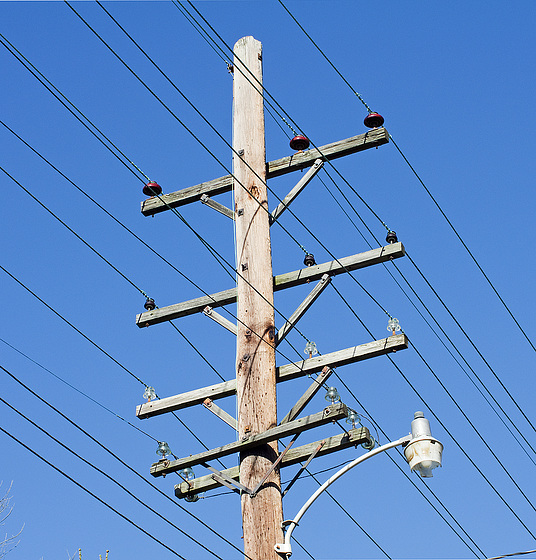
(220, 413)
(304, 400)
(302, 183)
(303, 307)
(205, 199)
(220, 319)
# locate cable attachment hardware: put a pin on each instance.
(391, 237)
(152, 188)
(150, 305)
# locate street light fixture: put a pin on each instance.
(422, 451)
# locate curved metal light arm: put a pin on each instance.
(285, 548)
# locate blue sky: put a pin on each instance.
(455, 83)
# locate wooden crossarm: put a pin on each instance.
(371, 139)
(281, 281)
(354, 437)
(284, 373)
(329, 414)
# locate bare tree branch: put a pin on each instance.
(9, 542)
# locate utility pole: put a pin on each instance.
(256, 376)
(262, 514)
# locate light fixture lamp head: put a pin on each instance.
(423, 452)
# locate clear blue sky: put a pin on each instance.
(455, 83)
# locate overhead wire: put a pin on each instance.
(120, 223)
(144, 294)
(283, 115)
(99, 348)
(427, 190)
(81, 117)
(79, 391)
(359, 196)
(339, 174)
(482, 384)
(109, 14)
(114, 455)
(92, 494)
(105, 474)
(194, 136)
(512, 554)
(455, 440)
(137, 237)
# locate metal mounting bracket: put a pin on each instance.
(205, 199)
(274, 466)
(222, 478)
(303, 467)
(220, 413)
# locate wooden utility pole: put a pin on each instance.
(262, 514)
(255, 374)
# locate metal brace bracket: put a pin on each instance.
(205, 199)
(220, 413)
(298, 474)
(227, 481)
(274, 466)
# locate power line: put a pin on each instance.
(420, 181)
(473, 344)
(512, 554)
(106, 475)
(88, 245)
(279, 111)
(98, 347)
(74, 327)
(128, 230)
(83, 119)
(446, 335)
(211, 250)
(77, 390)
(516, 428)
(93, 495)
(446, 429)
(126, 465)
(384, 224)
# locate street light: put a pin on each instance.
(422, 451)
